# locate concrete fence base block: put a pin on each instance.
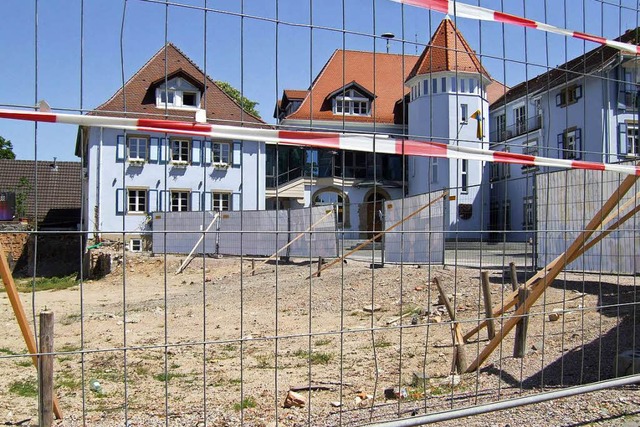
(627, 363)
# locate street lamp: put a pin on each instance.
(388, 36)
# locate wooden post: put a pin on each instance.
(488, 306)
(514, 276)
(45, 370)
(253, 266)
(21, 317)
(459, 354)
(320, 262)
(520, 344)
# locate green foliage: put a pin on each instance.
(316, 358)
(22, 192)
(6, 149)
(46, 283)
(26, 388)
(246, 104)
(247, 402)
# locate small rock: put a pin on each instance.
(294, 399)
(555, 316)
(414, 320)
(207, 279)
(372, 308)
(451, 380)
(419, 288)
(336, 404)
(419, 379)
(435, 319)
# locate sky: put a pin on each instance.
(259, 46)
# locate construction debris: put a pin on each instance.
(294, 399)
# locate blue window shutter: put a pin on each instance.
(195, 200)
(120, 148)
(207, 201)
(207, 152)
(561, 141)
(195, 152)
(237, 153)
(622, 139)
(163, 150)
(152, 205)
(235, 202)
(154, 146)
(120, 202)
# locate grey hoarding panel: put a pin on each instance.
(566, 201)
(262, 232)
(181, 231)
(320, 241)
(423, 240)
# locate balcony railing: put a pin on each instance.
(520, 128)
(272, 181)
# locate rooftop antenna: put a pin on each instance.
(416, 44)
(388, 36)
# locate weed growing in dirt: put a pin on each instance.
(46, 283)
(68, 380)
(322, 341)
(382, 343)
(247, 402)
(8, 352)
(264, 361)
(168, 376)
(25, 363)
(316, 358)
(25, 388)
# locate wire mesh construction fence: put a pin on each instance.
(345, 212)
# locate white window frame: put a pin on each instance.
(464, 113)
(137, 141)
(176, 95)
(520, 118)
(182, 155)
(352, 103)
(434, 170)
(221, 153)
(135, 245)
(570, 145)
(220, 201)
(501, 126)
(530, 148)
(137, 199)
(464, 176)
(180, 200)
(633, 140)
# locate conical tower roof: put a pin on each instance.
(447, 51)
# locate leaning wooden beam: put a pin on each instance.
(459, 355)
(553, 269)
(511, 299)
(188, 259)
(311, 227)
(21, 317)
(366, 242)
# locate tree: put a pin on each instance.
(6, 149)
(247, 105)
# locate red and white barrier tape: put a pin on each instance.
(463, 10)
(329, 140)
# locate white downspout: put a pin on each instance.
(99, 185)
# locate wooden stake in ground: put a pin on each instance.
(514, 276)
(539, 283)
(292, 241)
(488, 306)
(459, 355)
(520, 344)
(18, 310)
(45, 370)
(188, 259)
(366, 242)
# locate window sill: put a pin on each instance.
(221, 165)
(136, 162)
(179, 164)
(175, 107)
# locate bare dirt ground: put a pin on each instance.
(203, 344)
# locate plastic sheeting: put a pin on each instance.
(257, 233)
(423, 240)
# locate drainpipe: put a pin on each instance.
(99, 184)
(607, 114)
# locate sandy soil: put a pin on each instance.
(201, 342)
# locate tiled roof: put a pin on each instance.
(592, 61)
(59, 188)
(295, 94)
(141, 98)
(495, 90)
(447, 51)
(382, 74)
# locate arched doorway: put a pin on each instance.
(374, 207)
(333, 196)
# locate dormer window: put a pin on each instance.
(352, 103)
(177, 93)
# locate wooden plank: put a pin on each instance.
(45, 370)
(553, 269)
(366, 242)
(21, 317)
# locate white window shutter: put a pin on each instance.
(622, 138)
(195, 152)
(120, 202)
(154, 146)
(207, 152)
(165, 201)
(207, 201)
(120, 148)
(152, 206)
(163, 150)
(235, 202)
(237, 153)
(195, 200)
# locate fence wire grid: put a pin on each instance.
(219, 280)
